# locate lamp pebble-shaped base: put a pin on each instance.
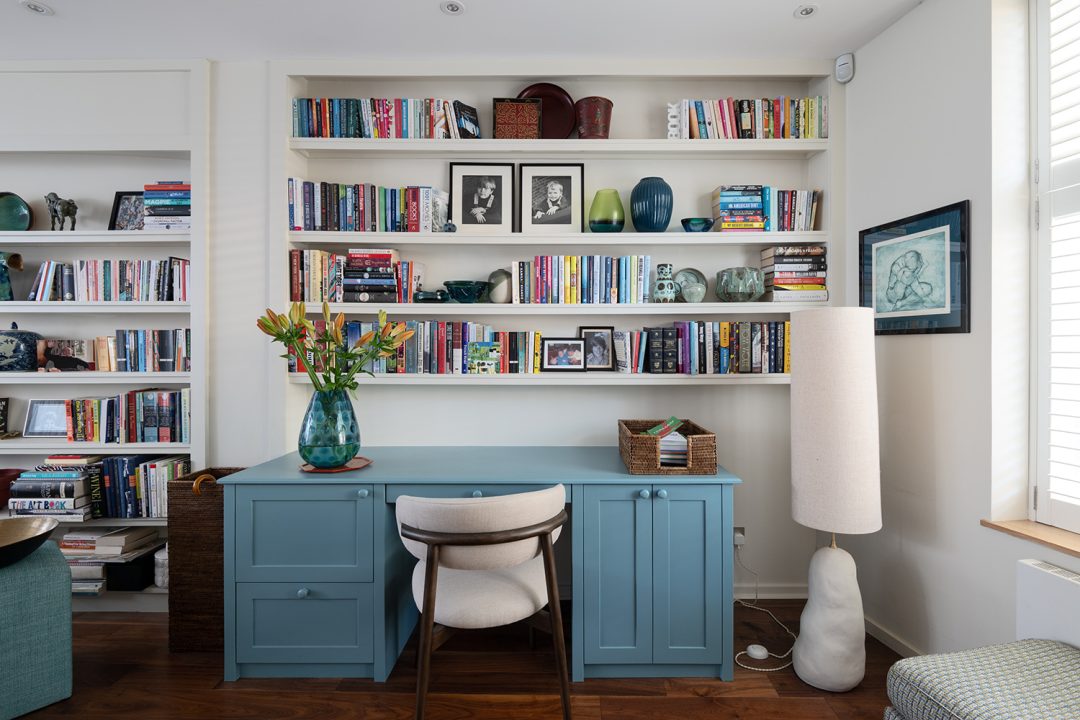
(830, 652)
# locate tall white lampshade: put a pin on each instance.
(835, 482)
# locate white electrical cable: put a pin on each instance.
(755, 606)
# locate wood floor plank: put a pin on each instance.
(124, 671)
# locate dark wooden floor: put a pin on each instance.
(123, 670)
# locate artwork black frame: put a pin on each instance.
(32, 420)
(508, 196)
(120, 196)
(585, 331)
(956, 217)
(545, 367)
(524, 210)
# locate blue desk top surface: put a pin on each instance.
(481, 464)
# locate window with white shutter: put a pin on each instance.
(1056, 498)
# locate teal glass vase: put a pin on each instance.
(329, 435)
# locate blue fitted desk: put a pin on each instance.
(317, 582)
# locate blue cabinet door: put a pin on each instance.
(618, 574)
(316, 533)
(688, 574)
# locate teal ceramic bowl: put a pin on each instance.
(468, 291)
(697, 224)
(15, 213)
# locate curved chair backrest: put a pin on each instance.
(480, 515)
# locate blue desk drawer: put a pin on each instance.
(321, 533)
(302, 622)
(461, 491)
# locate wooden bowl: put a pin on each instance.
(23, 535)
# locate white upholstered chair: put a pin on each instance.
(484, 562)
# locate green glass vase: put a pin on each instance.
(606, 213)
(329, 435)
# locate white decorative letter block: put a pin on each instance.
(673, 131)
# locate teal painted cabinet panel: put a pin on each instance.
(618, 574)
(304, 622)
(688, 573)
(316, 533)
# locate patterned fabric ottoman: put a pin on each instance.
(35, 632)
(1025, 680)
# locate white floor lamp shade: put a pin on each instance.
(835, 481)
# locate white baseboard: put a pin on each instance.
(890, 639)
(771, 591)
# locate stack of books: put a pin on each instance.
(63, 494)
(741, 208)
(673, 449)
(167, 205)
(434, 118)
(765, 118)
(90, 551)
(364, 207)
(362, 275)
(795, 273)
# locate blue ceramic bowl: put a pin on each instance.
(697, 224)
(468, 291)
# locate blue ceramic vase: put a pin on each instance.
(329, 435)
(650, 205)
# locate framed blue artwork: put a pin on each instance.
(915, 272)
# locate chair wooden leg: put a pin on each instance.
(556, 622)
(427, 620)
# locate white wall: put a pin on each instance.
(919, 137)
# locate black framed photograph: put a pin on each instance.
(916, 272)
(562, 355)
(127, 211)
(482, 197)
(599, 347)
(552, 198)
(46, 419)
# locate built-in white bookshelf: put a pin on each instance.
(90, 133)
(638, 147)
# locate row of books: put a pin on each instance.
(167, 205)
(364, 207)
(126, 351)
(362, 275)
(581, 280)
(434, 118)
(112, 281)
(136, 416)
(82, 487)
(757, 208)
(110, 558)
(766, 118)
(795, 273)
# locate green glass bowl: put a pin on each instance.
(697, 224)
(468, 291)
(15, 213)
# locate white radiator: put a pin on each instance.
(1047, 602)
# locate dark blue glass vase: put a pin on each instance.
(650, 205)
(329, 435)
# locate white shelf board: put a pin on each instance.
(93, 238)
(396, 310)
(24, 307)
(115, 522)
(89, 143)
(94, 378)
(321, 238)
(464, 149)
(48, 446)
(597, 379)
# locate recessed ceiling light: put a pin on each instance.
(805, 11)
(38, 8)
(452, 7)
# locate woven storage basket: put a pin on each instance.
(196, 557)
(641, 453)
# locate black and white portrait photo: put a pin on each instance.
(599, 347)
(550, 201)
(482, 197)
(552, 198)
(483, 200)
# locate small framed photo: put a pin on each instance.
(127, 211)
(599, 347)
(914, 272)
(552, 198)
(562, 355)
(482, 198)
(46, 419)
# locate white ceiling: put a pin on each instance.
(279, 29)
